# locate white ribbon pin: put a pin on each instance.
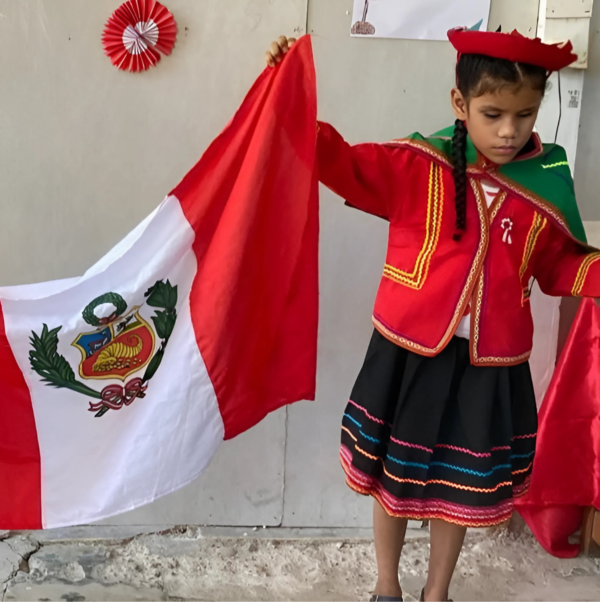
(507, 226)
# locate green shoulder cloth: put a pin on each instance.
(548, 175)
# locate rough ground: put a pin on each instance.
(184, 565)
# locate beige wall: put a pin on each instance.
(587, 174)
(87, 151)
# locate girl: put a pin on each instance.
(442, 420)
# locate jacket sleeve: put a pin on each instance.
(363, 175)
(567, 268)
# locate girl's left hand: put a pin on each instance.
(597, 301)
(278, 50)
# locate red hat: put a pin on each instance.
(513, 47)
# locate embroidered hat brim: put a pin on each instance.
(513, 47)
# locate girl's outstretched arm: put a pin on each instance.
(366, 176)
(566, 268)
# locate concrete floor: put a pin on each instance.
(195, 564)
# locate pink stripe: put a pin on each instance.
(505, 447)
(522, 489)
(426, 508)
(432, 505)
(532, 436)
(367, 413)
(465, 451)
(413, 445)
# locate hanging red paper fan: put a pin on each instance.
(137, 32)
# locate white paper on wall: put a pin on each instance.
(417, 19)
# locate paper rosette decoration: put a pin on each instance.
(137, 32)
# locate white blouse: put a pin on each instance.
(464, 328)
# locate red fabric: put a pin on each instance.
(427, 271)
(253, 203)
(566, 473)
(20, 474)
(513, 47)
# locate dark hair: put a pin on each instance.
(477, 75)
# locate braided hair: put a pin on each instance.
(477, 75)
(459, 158)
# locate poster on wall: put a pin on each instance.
(417, 19)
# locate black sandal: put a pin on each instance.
(375, 598)
(423, 596)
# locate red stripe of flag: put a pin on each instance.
(252, 201)
(20, 472)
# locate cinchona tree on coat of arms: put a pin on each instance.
(120, 346)
(362, 27)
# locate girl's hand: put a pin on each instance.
(278, 50)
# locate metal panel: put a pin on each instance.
(515, 14)
(569, 9)
(577, 31)
(587, 175)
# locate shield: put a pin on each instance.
(116, 350)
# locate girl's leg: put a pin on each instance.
(389, 540)
(446, 543)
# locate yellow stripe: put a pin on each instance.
(523, 470)
(364, 453)
(435, 205)
(474, 489)
(539, 223)
(555, 164)
(583, 272)
(449, 484)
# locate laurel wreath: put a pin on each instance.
(55, 369)
(113, 298)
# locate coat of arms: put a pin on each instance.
(120, 346)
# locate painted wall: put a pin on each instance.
(587, 175)
(87, 151)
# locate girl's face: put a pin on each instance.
(499, 124)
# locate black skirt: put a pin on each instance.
(439, 438)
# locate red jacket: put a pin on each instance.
(430, 280)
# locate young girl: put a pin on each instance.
(442, 420)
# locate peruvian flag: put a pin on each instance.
(117, 387)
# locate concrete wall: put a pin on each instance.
(587, 175)
(88, 151)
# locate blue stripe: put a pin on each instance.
(408, 463)
(370, 438)
(355, 421)
(473, 472)
(522, 455)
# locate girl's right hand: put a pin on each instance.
(278, 50)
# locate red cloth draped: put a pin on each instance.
(253, 203)
(566, 473)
